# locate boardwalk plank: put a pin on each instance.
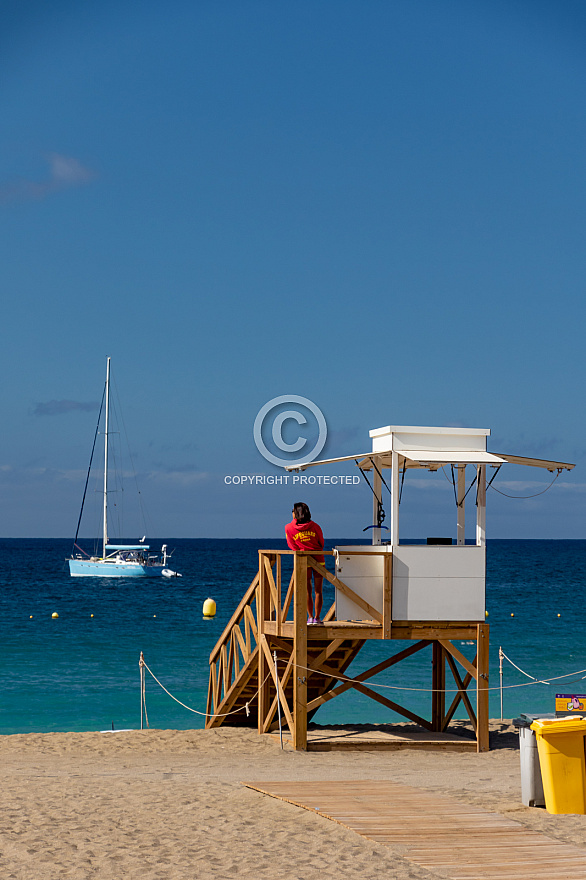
(436, 832)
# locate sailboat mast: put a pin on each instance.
(105, 537)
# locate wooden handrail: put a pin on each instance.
(234, 619)
(327, 552)
(299, 552)
(248, 596)
(344, 588)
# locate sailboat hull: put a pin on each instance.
(99, 568)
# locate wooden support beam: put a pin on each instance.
(283, 645)
(327, 653)
(348, 653)
(403, 629)
(331, 613)
(249, 616)
(482, 742)
(236, 616)
(348, 592)
(462, 693)
(284, 705)
(385, 664)
(219, 680)
(263, 614)
(270, 719)
(463, 661)
(224, 667)
(438, 683)
(390, 704)
(216, 685)
(235, 650)
(258, 611)
(270, 581)
(368, 692)
(392, 661)
(227, 703)
(380, 667)
(456, 701)
(243, 646)
(230, 663)
(210, 700)
(288, 598)
(300, 654)
(278, 592)
(247, 632)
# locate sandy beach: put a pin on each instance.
(170, 804)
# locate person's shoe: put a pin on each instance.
(310, 620)
(318, 621)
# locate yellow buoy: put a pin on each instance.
(31, 617)
(209, 608)
(512, 615)
(486, 613)
(559, 615)
(54, 615)
(91, 615)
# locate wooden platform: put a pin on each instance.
(381, 737)
(436, 832)
(370, 629)
(268, 660)
(333, 629)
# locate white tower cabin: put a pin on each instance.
(439, 581)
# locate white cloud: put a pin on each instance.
(64, 172)
(67, 171)
(178, 478)
(59, 407)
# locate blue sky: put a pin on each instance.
(379, 206)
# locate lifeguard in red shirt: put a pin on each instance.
(304, 534)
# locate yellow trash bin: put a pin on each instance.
(561, 746)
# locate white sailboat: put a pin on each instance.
(117, 560)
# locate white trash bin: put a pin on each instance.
(531, 785)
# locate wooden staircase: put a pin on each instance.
(234, 687)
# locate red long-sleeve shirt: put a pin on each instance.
(305, 536)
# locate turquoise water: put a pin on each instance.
(81, 672)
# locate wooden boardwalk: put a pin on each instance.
(438, 833)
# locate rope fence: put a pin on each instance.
(143, 712)
(572, 676)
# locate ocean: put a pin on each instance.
(81, 672)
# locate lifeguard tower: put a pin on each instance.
(430, 594)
